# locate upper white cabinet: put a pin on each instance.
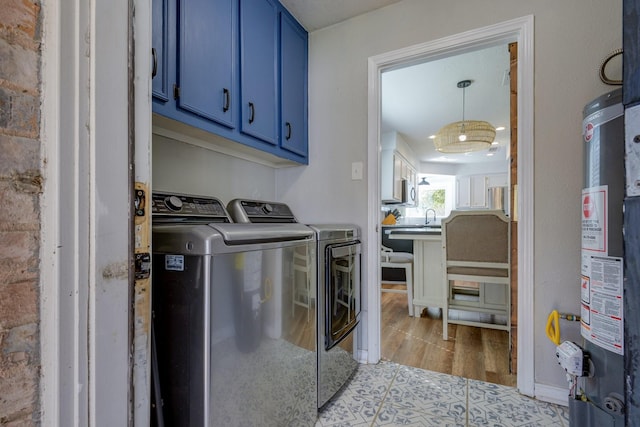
(390, 185)
(394, 168)
(472, 190)
(396, 164)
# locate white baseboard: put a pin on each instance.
(552, 394)
(363, 356)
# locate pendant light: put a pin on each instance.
(466, 135)
(424, 181)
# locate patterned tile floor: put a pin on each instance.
(388, 394)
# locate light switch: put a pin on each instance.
(356, 171)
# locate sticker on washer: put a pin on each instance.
(174, 262)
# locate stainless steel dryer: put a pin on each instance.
(339, 292)
(227, 348)
(334, 301)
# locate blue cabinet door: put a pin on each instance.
(159, 49)
(293, 86)
(206, 54)
(258, 69)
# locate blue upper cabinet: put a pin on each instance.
(159, 49)
(258, 69)
(293, 86)
(235, 69)
(207, 30)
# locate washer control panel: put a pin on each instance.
(257, 211)
(172, 205)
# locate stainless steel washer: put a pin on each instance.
(227, 349)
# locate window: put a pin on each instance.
(438, 195)
(432, 199)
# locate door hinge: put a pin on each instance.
(142, 265)
(176, 91)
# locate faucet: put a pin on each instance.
(427, 216)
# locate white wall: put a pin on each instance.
(571, 39)
(483, 168)
(185, 168)
(438, 168)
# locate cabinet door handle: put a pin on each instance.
(154, 69)
(227, 100)
(288, 126)
(252, 113)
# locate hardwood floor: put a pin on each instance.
(475, 353)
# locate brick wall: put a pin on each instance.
(20, 188)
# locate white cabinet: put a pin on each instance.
(390, 181)
(393, 169)
(398, 166)
(471, 190)
(478, 191)
(463, 192)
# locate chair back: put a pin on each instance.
(476, 236)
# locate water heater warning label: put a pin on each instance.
(601, 275)
(594, 219)
(602, 312)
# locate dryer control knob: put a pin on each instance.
(267, 208)
(173, 203)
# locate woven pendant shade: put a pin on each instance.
(479, 136)
(466, 135)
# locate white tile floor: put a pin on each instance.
(390, 394)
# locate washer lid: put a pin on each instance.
(246, 234)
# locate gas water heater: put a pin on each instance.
(597, 397)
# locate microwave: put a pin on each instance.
(409, 193)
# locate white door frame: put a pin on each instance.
(521, 31)
(86, 214)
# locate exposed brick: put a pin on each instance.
(18, 306)
(17, 208)
(14, 270)
(18, 154)
(18, 391)
(20, 17)
(19, 67)
(24, 420)
(19, 113)
(20, 185)
(19, 245)
(20, 339)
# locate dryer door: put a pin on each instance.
(342, 281)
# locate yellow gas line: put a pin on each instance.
(553, 324)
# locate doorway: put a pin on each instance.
(520, 31)
(416, 101)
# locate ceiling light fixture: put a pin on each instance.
(424, 181)
(466, 135)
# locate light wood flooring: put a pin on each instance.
(474, 353)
